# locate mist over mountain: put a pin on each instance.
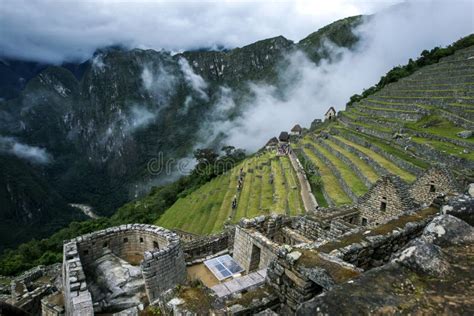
(90, 127)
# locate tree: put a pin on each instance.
(205, 155)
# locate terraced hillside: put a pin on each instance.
(269, 185)
(402, 129)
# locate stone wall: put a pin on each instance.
(432, 183)
(387, 198)
(77, 298)
(297, 275)
(376, 250)
(199, 249)
(252, 250)
(158, 251)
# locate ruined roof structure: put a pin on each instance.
(284, 137)
(296, 128)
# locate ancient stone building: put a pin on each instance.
(252, 249)
(99, 267)
(432, 183)
(387, 198)
(330, 114)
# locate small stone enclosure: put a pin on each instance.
(157, 250)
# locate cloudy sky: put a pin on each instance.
(58, 30)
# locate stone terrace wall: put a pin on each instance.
(199, 249)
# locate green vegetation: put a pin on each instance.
(435, 125)
(207, 209)
(352, 180)
(144, 210)
(367, 170)
(385, 163)
(427, 58)
(329, 180)
(314, 179)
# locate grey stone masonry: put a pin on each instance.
(157, 249)
(77, 298)
(432, 183)
(253, 250)
(387, 198)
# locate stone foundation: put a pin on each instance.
(157, 250)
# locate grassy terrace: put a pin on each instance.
(348, 176)
(295, 205)
(445, 147)
(389, 148)
(330, 183)
(205, 210)
(367, 170)
(436, 125)
(385, 163)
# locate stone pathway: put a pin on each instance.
(240, 284)
(309, 201)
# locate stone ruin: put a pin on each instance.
(110, 270)
(290, 259)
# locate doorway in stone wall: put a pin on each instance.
(254, 258)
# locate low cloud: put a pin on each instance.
(57, 31)
(33, 154)
(307, 90)
(195, 81)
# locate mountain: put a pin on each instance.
(384, 133)
(101, 122)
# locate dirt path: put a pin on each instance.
(309, 201)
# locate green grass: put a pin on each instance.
(445, 147)
(389, 149)
(367, 170)
(435, 125)
(385, 163)
(279, 185)
(330, 183)
(205, 210)
(295, 204)
(348, 176)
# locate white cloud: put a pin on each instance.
(196, 82)
(389, 39)
(53, 31)
(31, 153)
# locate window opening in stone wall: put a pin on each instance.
(364, 221)
(85, 252)
(383, 206)
(155, 245)
(254, 258)
(125, 240)
(432, 187)
(105, 245)
(141, 239)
